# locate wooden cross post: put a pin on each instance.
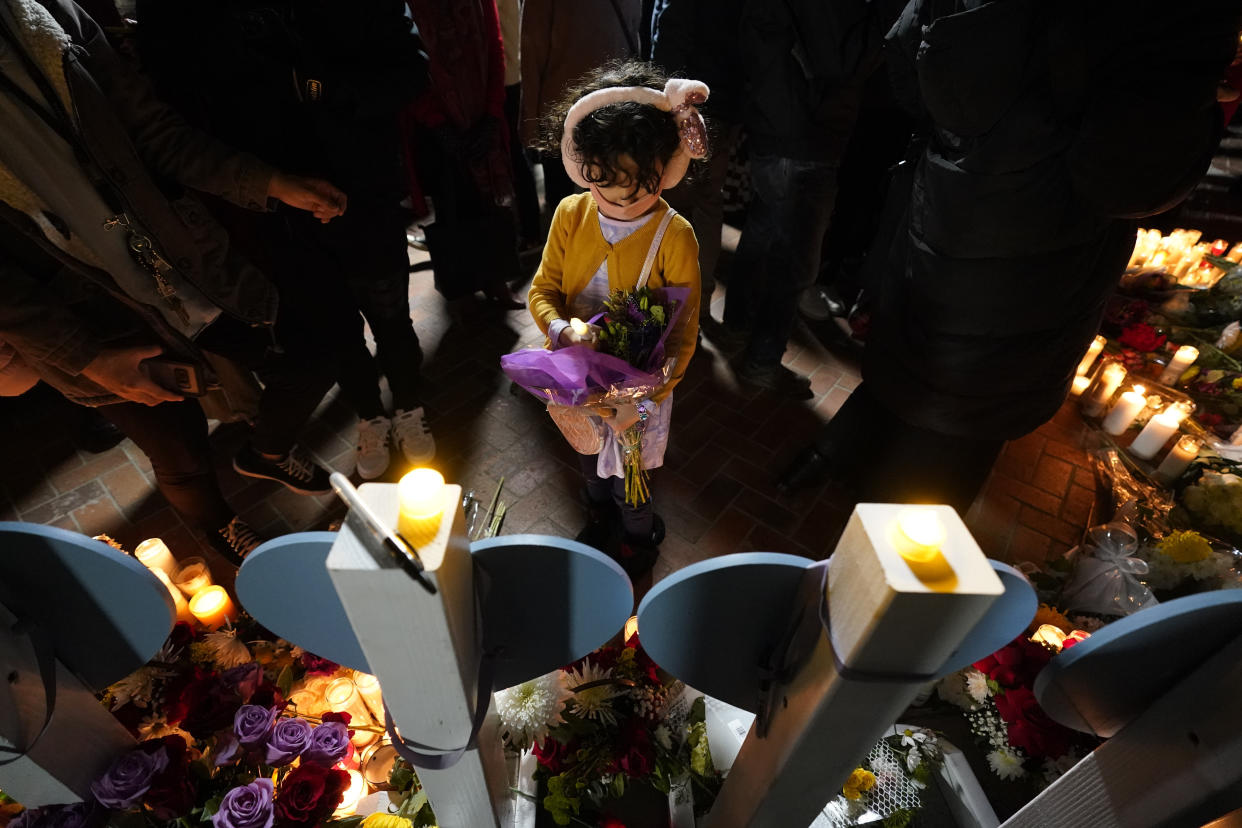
(424, 649)
(905, 586)
(80, 743)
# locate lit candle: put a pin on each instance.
(193, 576)
(183, 609)
(631, 627)
(1235, 254)
(1219, 247)
(421, 493)
(579, 327)
(1183, 359)
(1124, 412)
(369, 688)
(1157, 432)
(213, 607)
(1088, 359)
(353, 795)
(1176, 461)
(1079, 385)
(1049, 637)
(1106, 384)
(918, 538)
(377, 762)
(342, 697)
(154, 553)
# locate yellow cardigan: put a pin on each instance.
(576, 248)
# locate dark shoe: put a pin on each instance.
(728, 341)
(234, 541)
(296, 472)
(809, 468)
(602, 529)
(637, 556)
(775, 378)
(97, 434)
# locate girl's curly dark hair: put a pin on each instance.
(646, 134)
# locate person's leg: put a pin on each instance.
(916, 465)
(798, 198)
(174, 437)
(602, 519)
(526, 198)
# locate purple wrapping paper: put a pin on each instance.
(579, 375)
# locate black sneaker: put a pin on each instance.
(297, 471)
(775, 378)
(235, 540)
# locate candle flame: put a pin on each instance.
(922, 527)
(421, 492)
(208, 601)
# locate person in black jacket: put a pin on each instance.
(1018, 221)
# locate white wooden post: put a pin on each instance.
(80, 743)
(885, 620)
(1179, 763)
(424, 650)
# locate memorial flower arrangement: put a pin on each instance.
(609, 724)
(884, 789)
(224, 744)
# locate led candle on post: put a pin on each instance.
(192, 577)
(183, 609)
(1178, 459)
(1088, 359)
(1109, 380)
(421, 494)
(919, 537)
(1183, 359)
(352, 796)
(1123, 413)
(1157, 432)
(154, 554)
(213, 608)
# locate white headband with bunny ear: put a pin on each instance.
(680, 99)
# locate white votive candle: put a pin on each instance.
(1079, 385)
(1124, 412)
(183, 609)
(154, 554)
(1183, 359)
(1176, 461)
(1088, 359)
(1109, 380)
(213, 608)
(1156, 433)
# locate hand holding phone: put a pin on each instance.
(178, 376)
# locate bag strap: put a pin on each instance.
(655, 247)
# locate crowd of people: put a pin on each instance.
(190, 187)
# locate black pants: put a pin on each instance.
(526, 198)
(891, 461)
(636, 521)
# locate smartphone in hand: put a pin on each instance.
(186, 378)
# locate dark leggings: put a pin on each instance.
(892, 461)
(637, 521)
(174, 436)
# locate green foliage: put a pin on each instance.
(899, 818)
(560, 804)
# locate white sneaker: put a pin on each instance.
(372, 453)
(410, 431)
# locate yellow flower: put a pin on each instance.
(379, 820)
(1185, 547)
(1049, 615)
(1191, 373)
(860, 780)
(1237, 383)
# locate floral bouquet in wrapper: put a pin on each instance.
(628, 365)
(884, 789)
(612, 733)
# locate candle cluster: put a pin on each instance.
(1181, 254)
(189, 584)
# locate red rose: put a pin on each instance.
(205, 706)
(1014, 703)
(1141, 337)
(336, 716)
(171, 794)
(309, 794)
(552, 755)
(637, 758)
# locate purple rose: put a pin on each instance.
(289, 738)
(328, 744)
(30, 818)
(252, 723)
(249, 806)
(129, 778)
(79, 815)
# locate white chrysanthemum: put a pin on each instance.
(663, 737)
(528, 710)
(155, 726)
(593, 702)
(976, 685)
(952, 688)
(1006, 764)
(1054, 768)
(137, 688)
(226, 650)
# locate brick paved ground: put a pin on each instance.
(715, 493)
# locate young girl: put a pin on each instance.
(626, 134)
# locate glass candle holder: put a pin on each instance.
(342, 696)
(192, 577)
(377, 762)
